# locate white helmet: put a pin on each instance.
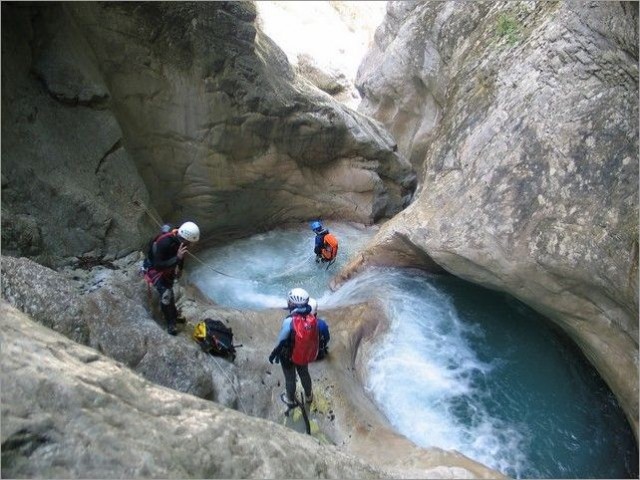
(313, 303)
(189, 231)
(298, 296)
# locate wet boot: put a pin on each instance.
(286, 400)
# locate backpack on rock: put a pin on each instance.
(215, 337)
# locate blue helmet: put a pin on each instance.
(316, 226)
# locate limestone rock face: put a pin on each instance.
(324, 41)
(224, 131)
(68, 182)
(116, 318)
(524, 119)
(69, 412)
(328, 80)
(117, 116)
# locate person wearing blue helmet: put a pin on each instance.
(326, 244)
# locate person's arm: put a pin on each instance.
(317, 249)
(285, 330)
(283, 338)
(182, 251)
(324, 331)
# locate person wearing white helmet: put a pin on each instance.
(323, 331)
(297, 346)
(165, 261)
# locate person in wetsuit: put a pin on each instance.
(165, 261)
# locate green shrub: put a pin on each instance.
(507, 28)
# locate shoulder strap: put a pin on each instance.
(162, 236)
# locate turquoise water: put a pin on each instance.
(572, 425)
(479, 372)
(461, 368)
(260, 270)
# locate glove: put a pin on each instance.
(274, 356)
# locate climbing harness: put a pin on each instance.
(141, 205)
(157, 221)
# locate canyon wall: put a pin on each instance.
(522, 118)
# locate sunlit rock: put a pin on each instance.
(324, 41)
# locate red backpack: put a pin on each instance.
(305, 338)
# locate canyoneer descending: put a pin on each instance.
(297, 346)
(164, 263)
(326, 244)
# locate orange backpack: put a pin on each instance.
(330, 247)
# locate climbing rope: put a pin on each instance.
(295, 267)
(193, 255)
(140, 204)
(230, 383)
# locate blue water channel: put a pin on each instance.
(461, 368)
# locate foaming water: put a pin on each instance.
(468, 369)
(461, 368)
(260, 270)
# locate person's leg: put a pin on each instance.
(289, 372)
(305, 379)
(167, 305)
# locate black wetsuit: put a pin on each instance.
(283, 351)
(319, 241)
(163, 272)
